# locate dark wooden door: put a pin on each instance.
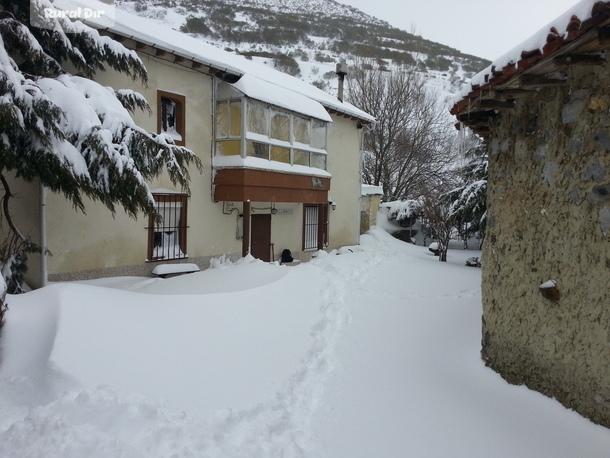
(261, 237)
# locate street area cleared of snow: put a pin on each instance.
(367, 351)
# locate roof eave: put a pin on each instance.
(583, 44)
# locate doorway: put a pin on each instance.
(261, 237)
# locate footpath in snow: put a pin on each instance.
(369, 351)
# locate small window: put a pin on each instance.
(315, 226)
(222, 120)
(171, 116)
(228, 148)
(258, 118)
(255, 149)
(318, 134)
(228, 119)
(280, 126)
(301, 157)
(167, 229)
(318, 160)
(280, 154)
(301, 130)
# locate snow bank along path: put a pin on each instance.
(371, 352)
(100, 356)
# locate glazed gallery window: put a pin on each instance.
(171, 118)
(167, 228)
(228, 128)
(247, 127)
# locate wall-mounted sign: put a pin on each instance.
(317, 183)
(282, 211)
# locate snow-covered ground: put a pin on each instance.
(369, 351)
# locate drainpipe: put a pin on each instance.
(360, 128)
(43, 236)
(341, 71)
(245, 251)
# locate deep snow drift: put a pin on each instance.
(369, 351)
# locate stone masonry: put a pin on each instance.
(549, 219)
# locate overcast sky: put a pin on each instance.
(484, 28)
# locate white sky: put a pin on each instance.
(484, 28)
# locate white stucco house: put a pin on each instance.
(274, 149)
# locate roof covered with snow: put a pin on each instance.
(371, 190)
(568, 40)
(279, 96)
(261, 80)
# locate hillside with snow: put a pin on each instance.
(307, 38)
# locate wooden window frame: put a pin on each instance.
(180, 101)
(321, 227)
(181, 228)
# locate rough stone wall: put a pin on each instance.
(369, 207)
(549, 219)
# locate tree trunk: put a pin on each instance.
(442, 255)
(3, 309)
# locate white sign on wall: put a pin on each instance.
(283, 211)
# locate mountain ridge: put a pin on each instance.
(305, 38)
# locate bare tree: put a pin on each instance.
(410, 147)
(438, 218)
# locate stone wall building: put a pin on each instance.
(370, 198)
(545, 116)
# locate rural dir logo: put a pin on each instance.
(97, 13)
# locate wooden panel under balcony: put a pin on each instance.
(241, 185)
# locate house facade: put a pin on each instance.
(544, 114)
(281, 168)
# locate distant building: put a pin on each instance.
(543, 110)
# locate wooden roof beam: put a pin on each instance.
(579, 60)
(537, 81)
(483, 106)
(514, 93)
(496, 104)
(603, 35)
(476, 117)
(483, 131)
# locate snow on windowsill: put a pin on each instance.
(264, 164)
(165, 191)
(369, 190)
(167, 269)
(173, 133)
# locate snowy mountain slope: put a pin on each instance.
(325, 7)
(307, 38)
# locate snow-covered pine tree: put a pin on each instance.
(468, 202)
(63, 129)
